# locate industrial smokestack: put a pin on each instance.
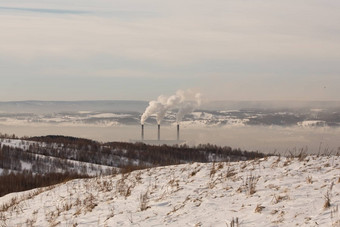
(142, 133)
(177, 132)
(159, 132)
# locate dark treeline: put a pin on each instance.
(26, 180)
(120, 154)
(66, 140)
(7, 136)
(168, 155)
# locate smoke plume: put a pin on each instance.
(188, 107)
(185, 101)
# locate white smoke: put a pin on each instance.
(188, 107)
(181, 100)
(155, 107)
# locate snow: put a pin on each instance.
(84, 112)
(26, 165)
(288, 192)
(80, 167)
(312, 123)
(17, 143)
(110, 115)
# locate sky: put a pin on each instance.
(137, 50)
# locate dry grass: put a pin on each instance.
(251, 182)
(327, 202)
(193, 173)
(213, 170)
(230, 172)
(143, 201)
(90, 203)
(249, 185)
(302, 155)
(15, 204)
(272, 186)
(112, 214)
(234, 222)
(335, 216)
(309, 180)
(259, 208)
(278, 198)
(122, 187)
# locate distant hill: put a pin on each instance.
(72, 106)
(274, 105)
(139, 106)
(217, 113)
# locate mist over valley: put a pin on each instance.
(264, 126)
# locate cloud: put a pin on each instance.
(191, 39)
(40, 10)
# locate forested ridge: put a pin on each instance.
(41, 161)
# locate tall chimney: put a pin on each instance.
(142, 132)
(177, 132)
(159, 132)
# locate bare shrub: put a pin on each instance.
(278, 159)
(278, 198)
(234, 222)
(30, 222)
(143, 201)
(122, 187)
(259, 208)
(243, 166)
(286, 163)
(111, 214)
(309, 180)
(327, 202)
(51, 217)
(302, 155)
(249, 185)
(128, 192)
(90, 203)
(272, 186)
(139, 177)
(251, 182)
(67, 206)
(335, 216)
(106, 186)
(195, 171)
(212, 170)
(230, 172)
(3, 219)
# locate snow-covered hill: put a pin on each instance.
(38, 163)
(274, 191)
(229, 117)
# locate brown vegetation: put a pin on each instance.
(15, 182)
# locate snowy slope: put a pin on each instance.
(268, 192)
(17, 143)
(79, 167)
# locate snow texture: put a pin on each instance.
(269, 192)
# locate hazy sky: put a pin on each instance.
(226, 49)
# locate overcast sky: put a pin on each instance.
(226, 49)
